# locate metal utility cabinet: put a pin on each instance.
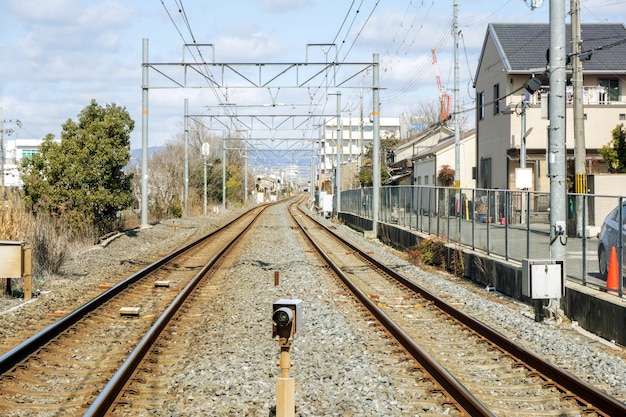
(16, 262)
(543, 278)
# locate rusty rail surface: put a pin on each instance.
(109, 393)
(463, 398)
(587, 395)
(19, 353)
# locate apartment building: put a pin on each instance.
(357, 135)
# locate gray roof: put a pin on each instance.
(443, 144)
(524, 46)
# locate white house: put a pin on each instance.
(15, 151)
(428, 162)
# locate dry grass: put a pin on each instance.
(50, 245)
(15, 222)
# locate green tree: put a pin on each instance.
(82, 178)
(365, 173)
(614, 153)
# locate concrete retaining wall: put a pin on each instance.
(597, 312)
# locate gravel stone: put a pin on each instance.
(337, 367)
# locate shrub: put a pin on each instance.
(414, 254)
(176, 210)
(432, 252)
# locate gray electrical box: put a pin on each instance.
(543, 278)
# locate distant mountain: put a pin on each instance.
(136, 154)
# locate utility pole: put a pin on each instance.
(556, 134)
(375, 144)
(206, 152)
(339, 156)
(361, 148)
(144, 135)
(224, 170)
(457, 125)
(8, 131)
(186, 175)
(580, 155)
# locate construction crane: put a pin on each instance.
(444, 98)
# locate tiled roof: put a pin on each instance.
(524, 46)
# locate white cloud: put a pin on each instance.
(284, 5)
(249, 48)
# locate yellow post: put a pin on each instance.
(580, 184)
(285, 387)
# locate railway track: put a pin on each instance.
(107, 363)
(90, 353)
(483, 372)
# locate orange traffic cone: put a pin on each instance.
(612, 273)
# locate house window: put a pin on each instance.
(27, 153)
(425, 179)
(611, 89)
(419, 180)
(481, 105)
(496, 98)
(622, 116)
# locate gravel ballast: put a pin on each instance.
(337, 356)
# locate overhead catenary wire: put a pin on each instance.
(220, 96)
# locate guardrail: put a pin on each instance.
(512, 224)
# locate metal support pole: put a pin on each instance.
(186, 179)
(144, 135)
(206, 152)
(556, 139)
(312, 179)
(339, 154)
(204, 183)
(245, 175)
(522, 156)
(580, 153)
(224, 171)
(375, 145)
(457, 124)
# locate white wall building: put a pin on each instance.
(356, 136)
(15, 151)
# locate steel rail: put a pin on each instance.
(110, 392)
(14, 356)
(462, 396)
(585, 393)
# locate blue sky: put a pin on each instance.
(57, 55)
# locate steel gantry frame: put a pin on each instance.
(312, 76)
